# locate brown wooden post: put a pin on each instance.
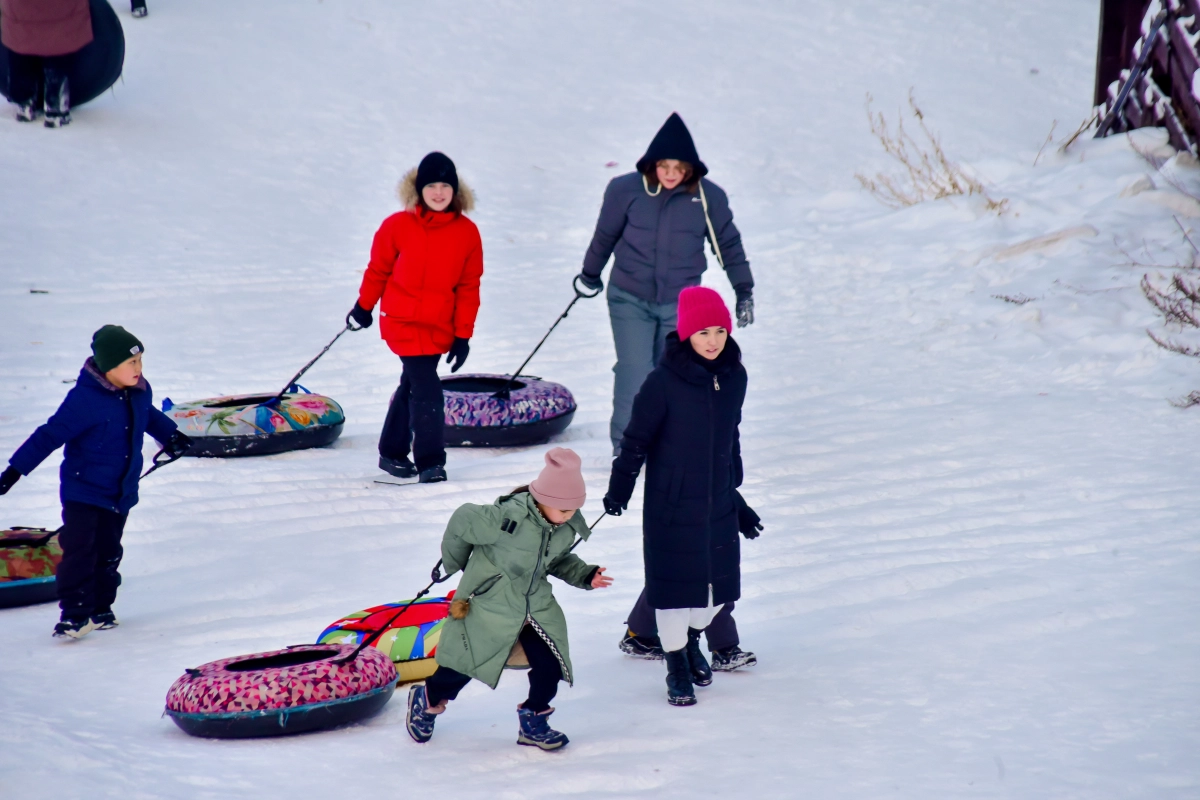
(1120, 28)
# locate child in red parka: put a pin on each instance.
(426, 263)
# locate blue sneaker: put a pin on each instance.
(536, 731)
(418, 720)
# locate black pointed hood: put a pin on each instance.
(673, 140)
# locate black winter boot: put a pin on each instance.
(701, 672)
(57, 102)
(647, 647)
(679, 679)
(398, 467)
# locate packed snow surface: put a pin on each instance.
(979, 571)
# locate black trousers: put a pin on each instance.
(40, 80)
(417, 415)
(721, 632)
(544, 675)
(87, 577)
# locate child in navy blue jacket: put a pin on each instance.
(101, 422)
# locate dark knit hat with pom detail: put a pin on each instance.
(436, 168)
(112, 346)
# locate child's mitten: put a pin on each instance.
(7, 478)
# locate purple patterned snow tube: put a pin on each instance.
(534, 411)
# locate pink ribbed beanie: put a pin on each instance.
(700, 308)
(560, 484)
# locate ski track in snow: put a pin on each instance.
(977, 577)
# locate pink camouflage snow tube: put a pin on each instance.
(281, 691)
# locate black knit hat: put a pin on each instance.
(436, 168)
(673, 141)
(112, 345)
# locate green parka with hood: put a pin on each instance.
(506, 550)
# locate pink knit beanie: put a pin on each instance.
(701, 308)
(560, 484)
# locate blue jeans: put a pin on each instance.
(640, 330)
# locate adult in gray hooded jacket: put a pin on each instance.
(654, 222)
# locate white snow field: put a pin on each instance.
(979, 571)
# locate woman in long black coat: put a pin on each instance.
(684, 428)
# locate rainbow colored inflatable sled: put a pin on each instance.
(411, 644)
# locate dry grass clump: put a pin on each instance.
(928, 173)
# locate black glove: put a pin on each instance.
(177, 445)
(458, 353)
(612, 507)
(744, 310)
(361, 316)
(8, 478)
(594, 283)
(749, 523)
(620, 489)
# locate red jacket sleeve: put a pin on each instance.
(466, 293)
(383, 258)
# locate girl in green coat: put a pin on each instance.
(504, 611)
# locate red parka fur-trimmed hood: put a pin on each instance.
(424, 271)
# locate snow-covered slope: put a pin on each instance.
(978, 572)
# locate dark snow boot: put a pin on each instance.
(536, 731)
(418, 720)
(727, 659)
(138, 8)
(398, 467)
(433, 474)
(679, 679)
(701, 673)
(57, 102)
(27, 112)
(105, 620)
(647, 647)
(70, 628)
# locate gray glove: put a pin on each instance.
(744, 311)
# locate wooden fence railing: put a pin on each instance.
(1167, 92)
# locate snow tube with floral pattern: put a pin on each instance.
(411, 643)
(248, 425)
(297, 689)
(29, 559)
(534, 411)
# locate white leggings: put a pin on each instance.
(673, 623)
